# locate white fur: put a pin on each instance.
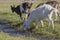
(40, 13)
(21, 8)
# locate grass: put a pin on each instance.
(13, 19)
(5, 36)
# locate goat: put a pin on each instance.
(40, 13)
(23, 8)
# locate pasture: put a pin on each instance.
(45, 33)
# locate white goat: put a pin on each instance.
(40, 13)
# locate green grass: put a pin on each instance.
(5, 36)
(13, 19)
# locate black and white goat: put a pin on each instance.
(23, 8)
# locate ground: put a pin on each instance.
(9, 29)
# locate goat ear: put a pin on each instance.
(11, 6)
